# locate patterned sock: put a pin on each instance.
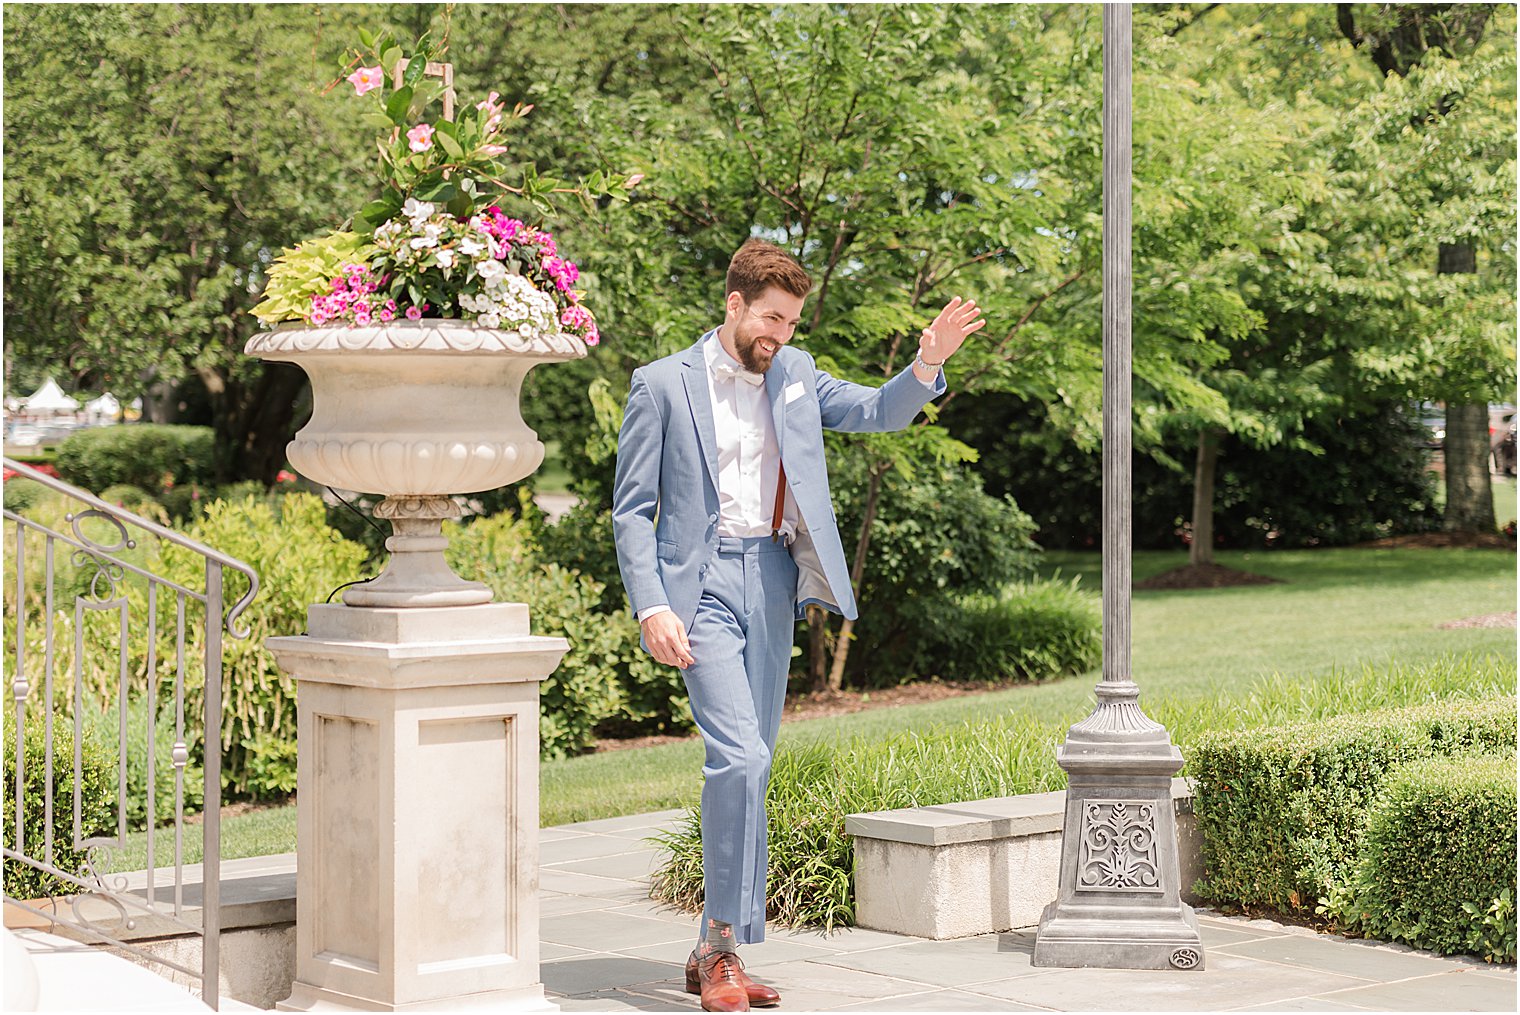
(719, 938)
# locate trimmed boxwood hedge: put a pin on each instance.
(138, 454)
(1437, 864)
(1281, 810)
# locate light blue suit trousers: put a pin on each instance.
(741, 641)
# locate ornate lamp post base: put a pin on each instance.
(1120, 902)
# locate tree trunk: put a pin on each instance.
(818, 648)
(1469, 494)
(857, 570)
(1201, 550)
(255, 421)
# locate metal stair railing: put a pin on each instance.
(93, 902)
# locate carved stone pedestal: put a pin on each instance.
(417, 829)
(1120, 900)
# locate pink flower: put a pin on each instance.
(318, 318)
(592, 337)
(489, 102)
(492, 149)
(387, 315)
(421, 137)
(339, 284)
(366, 79)
(413, 314)
(285, 476)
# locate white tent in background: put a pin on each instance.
(49, 400)
(105, 408)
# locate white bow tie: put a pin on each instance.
(724, 372)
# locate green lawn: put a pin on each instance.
(1504, 500)
(552, 476)
(1335, 608)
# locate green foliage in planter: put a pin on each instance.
(1282, 810)
(97, 791)
(138, 454)
(302, 272)
(1436, 868)
(1033, 631)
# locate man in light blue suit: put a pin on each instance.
(725, 531)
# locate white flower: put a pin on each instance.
(417, 211)
(490, 319)
(491, 271)
(419, 242)
(445, 258)
(469, 246)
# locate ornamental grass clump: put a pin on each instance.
(436, 242)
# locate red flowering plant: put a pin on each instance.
(436, 242)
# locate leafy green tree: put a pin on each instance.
(1458, 101)
(904, 154)
(158, 156)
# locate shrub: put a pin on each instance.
(105, 729)
(933, 533)
(138, 454)
(22, 494)
(97, 791)
(1281, 810)
(1283, 495)
(299, 561)
(1032, 631)
(135, 499)
(1436, 868)
(605, 680)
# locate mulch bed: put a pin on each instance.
(1442, 541)
(820, 705)
(1486, 620)
(1204, 576)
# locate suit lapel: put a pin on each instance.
(694, 376)
(775, 389)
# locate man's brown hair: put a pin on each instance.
(759, 265)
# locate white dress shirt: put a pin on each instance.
(749, 458)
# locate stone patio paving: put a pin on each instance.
(608, 947)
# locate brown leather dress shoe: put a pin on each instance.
(757, 994)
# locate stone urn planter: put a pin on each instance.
(417, 411)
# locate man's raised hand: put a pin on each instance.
(666, 637)
(944, 336)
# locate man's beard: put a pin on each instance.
(750, 356)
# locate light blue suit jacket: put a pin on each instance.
(665, 495)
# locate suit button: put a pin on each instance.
(712, 518)
(702, 571)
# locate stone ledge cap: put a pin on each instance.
(977, 820)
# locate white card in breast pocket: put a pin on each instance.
(793, 392)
